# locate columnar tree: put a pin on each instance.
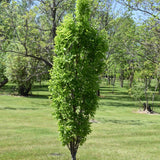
(80, 51)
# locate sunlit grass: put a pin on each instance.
(28, 131)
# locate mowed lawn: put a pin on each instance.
(29, 132)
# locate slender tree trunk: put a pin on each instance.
(158, 81)
(53, 14)
(73, 156)
(122, 78)
(113, 82)
(131, 79)
(149, 81)
(73, 147)
(146, 88)
(121, 83)
(109, 80)
(147, 107)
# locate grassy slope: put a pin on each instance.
(28, 131)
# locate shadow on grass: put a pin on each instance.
(39, 96)
(8, 89)
(12, 108)
(117, 104)
(40, 88)
(125, 122)
(118, 98)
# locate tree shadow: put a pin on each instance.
(124, 122)
(40, 88)
(117, 104)
(39, 96)
(12, 108)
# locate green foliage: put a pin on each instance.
(80, 51)
(122, 58)
(2, 67)
(137, 91)
(20, 70)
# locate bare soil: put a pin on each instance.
(147, 112)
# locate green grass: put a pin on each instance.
(28, 131)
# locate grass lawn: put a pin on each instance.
(28, 131)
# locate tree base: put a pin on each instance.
(147, 112)
(147, 108)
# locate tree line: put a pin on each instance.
(28, 30)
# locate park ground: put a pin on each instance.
(28, 130)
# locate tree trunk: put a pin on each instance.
(146, 88)
(4, 82)
(131, 79)
(73, 147)
(73, 156)
(113, 83)
(122, 78)
(24, 90)
(149, 81)
(122, 83)
(158, 81)
(109, 80)
(147, 108)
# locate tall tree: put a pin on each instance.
(80, 51)
(149, 7)
(122, 48)
(31, 28)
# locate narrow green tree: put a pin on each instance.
(80, 51)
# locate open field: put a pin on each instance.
(28, 131)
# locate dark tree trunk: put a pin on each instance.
(4, 82)
(121, 83)
(73, 147)
(149, 81)
(122, 78)
(113, 83)
(147, 108)
(131, 79)
(109, 80)
(24, 90)
(73, 156)
(53, 14)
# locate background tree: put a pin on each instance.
(74, 80)
(19, 71)
(122, 48)
(3, 78)
(31, 27)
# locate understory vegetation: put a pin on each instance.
(28, 130)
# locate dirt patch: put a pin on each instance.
(55, 154)
(146, 112)
(93, 121)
